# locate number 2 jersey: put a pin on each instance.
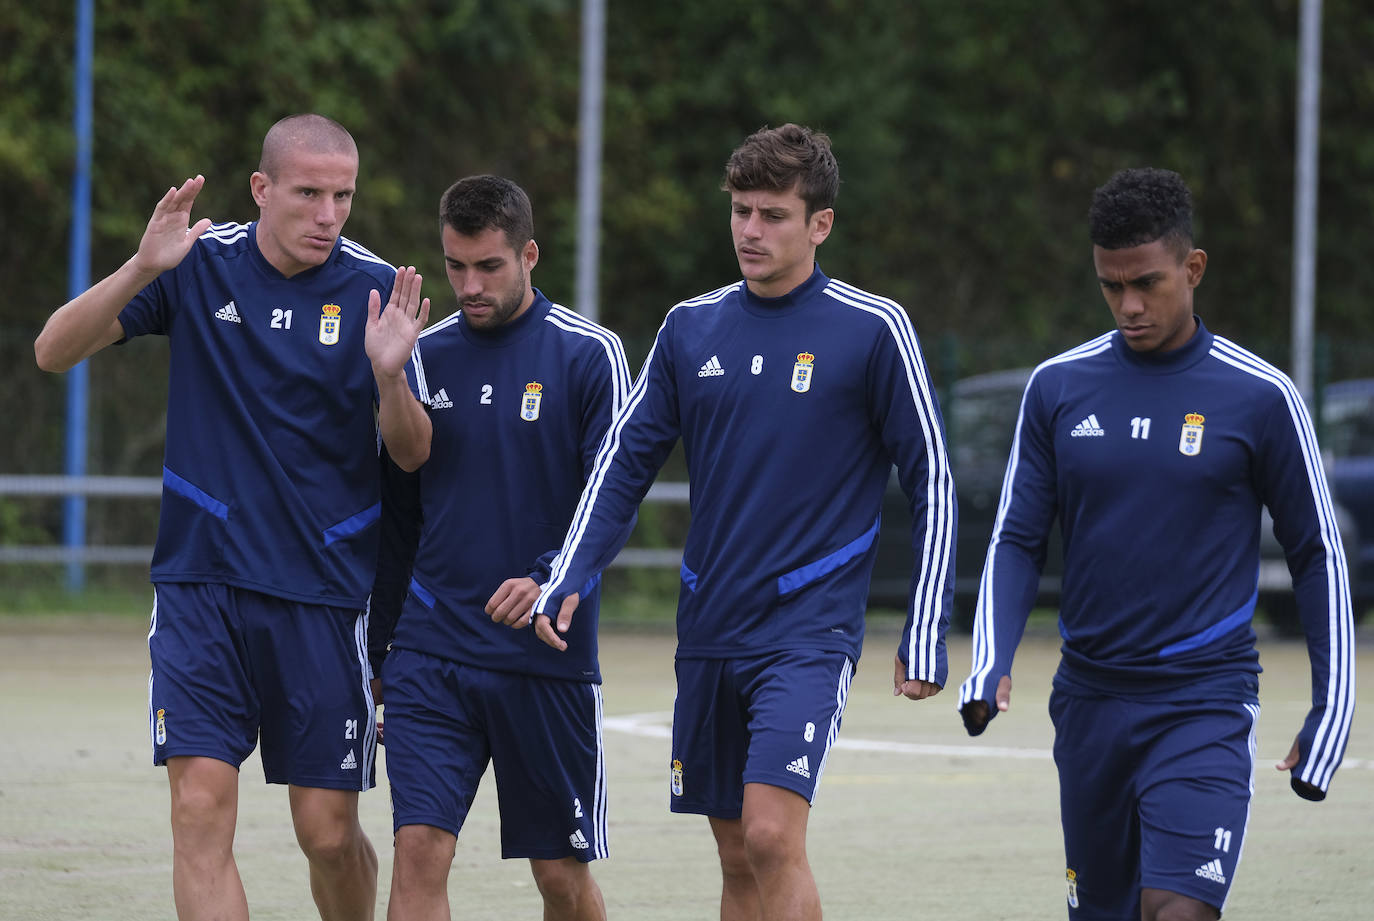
(791, 411)
(269, 480)
(1157, 466)
(518, 413)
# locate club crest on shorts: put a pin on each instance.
(1190, 440)
(1071, 879)
(160, 732)
(529, 406)
(802, 371)
(677, 777)
(329, 324)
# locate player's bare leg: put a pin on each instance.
(569, 890)
(771, 835)
(205, 803)
(419, 874)
(1162, 905)
(739, 893)
(343, 865)
(775, 842)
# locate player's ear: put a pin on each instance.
(822, 222)
(1194, 265)
(530, 255)
(257, 184)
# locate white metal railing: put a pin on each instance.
(133, 487)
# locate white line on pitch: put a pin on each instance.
(657, 725)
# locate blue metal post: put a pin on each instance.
(78, 280)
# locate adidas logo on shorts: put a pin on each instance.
(577, 840)
(1211, 870)
(801, 766)
(350, 763)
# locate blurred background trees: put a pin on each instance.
(970, 136)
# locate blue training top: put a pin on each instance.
(518, 414)
(270, 474)
(792, 411)
(1157, 466)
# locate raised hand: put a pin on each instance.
(391, 333)
(90, 321)
(170, 235)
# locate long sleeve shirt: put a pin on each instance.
(791, 412)
(1157, 467)
(518, 413)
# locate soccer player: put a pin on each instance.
(1156, 446)
(520, 392)
(267, 544)
(794, 394)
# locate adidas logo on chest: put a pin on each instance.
(712, 368)
(229, 313)
(1088, 428)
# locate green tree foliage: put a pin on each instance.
(970, 136)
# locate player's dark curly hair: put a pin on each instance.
(776, 159)
(1139, 206)
(479, 203)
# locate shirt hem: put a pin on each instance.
(487, 665)
(219, 578)
(749, 652)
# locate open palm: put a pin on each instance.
(391, 332)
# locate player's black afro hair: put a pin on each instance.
(1139, 206)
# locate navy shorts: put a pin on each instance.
(229, 664)
(1152, 795)
(445, 721)
(770, 719)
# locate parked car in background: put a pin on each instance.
(1346, 435)
(980, 421)
(980, 418)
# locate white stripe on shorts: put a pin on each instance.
(841, 696)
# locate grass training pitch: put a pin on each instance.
(913, 819)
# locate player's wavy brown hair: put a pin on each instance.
(779, 159)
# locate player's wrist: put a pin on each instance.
(139, 271)
(389, 376)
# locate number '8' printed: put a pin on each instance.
(810, 732)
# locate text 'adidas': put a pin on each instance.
(1088, 428)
